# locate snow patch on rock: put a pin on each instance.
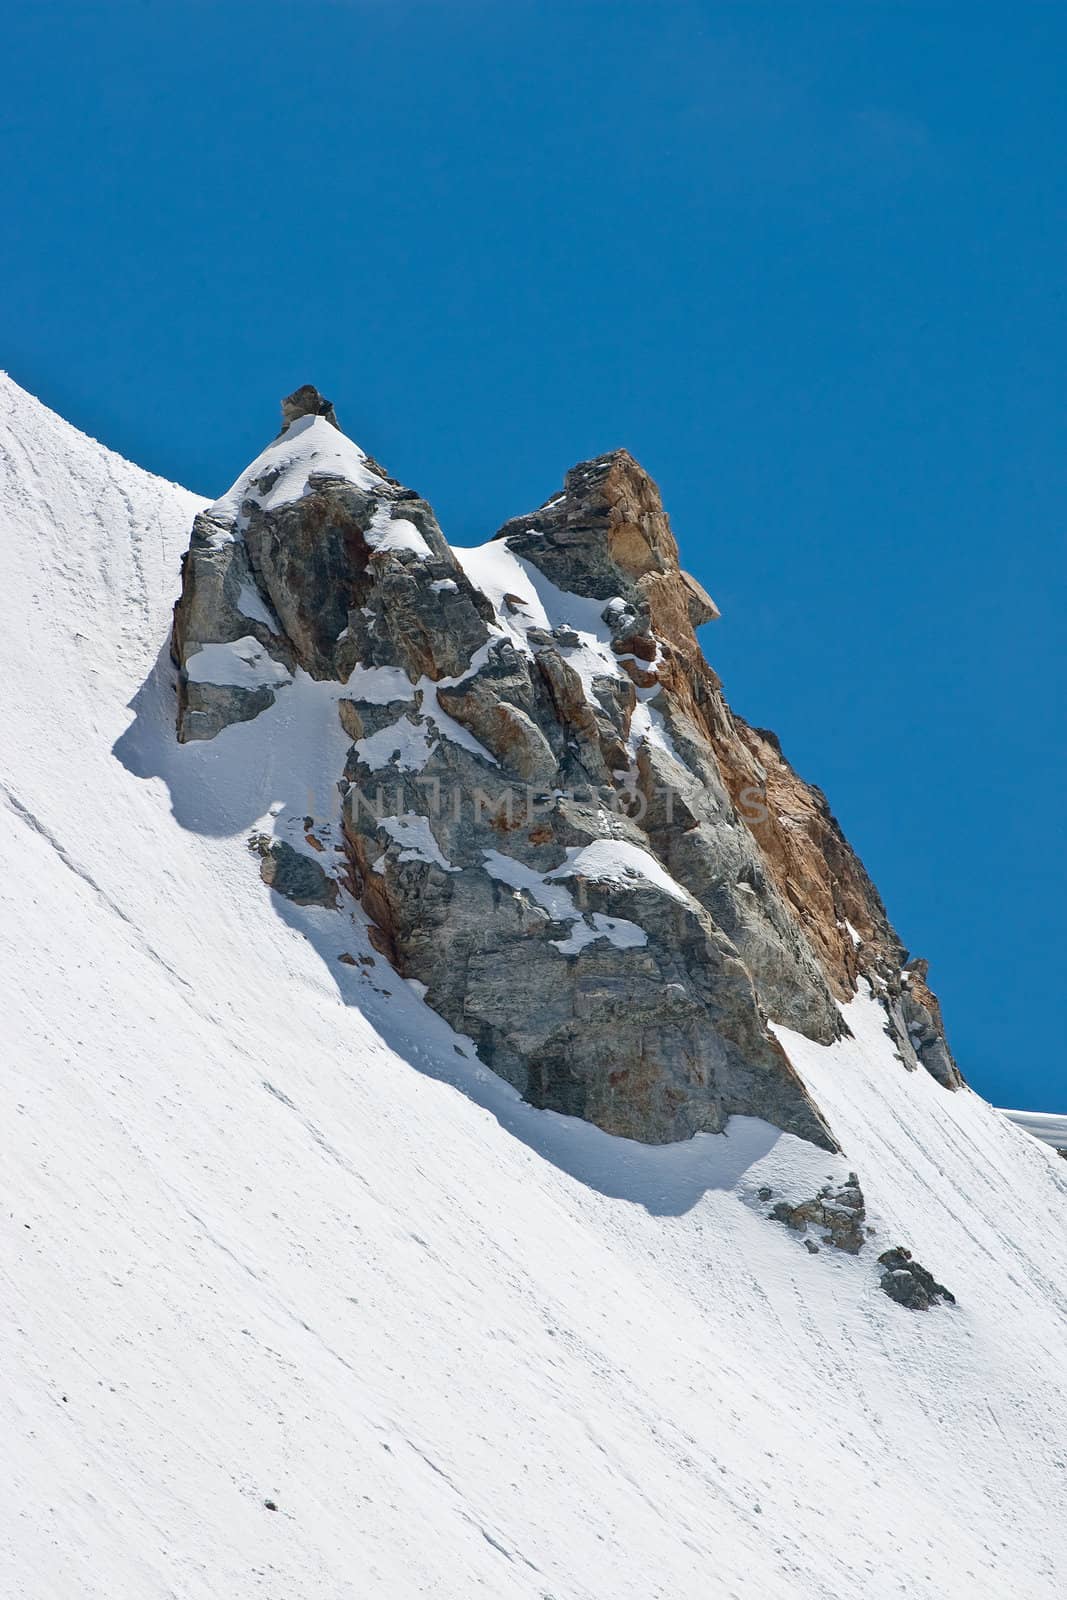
(241, 664)
(559, 903)
(617, 861)
(412, 832)
(280, 474)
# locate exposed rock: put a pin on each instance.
(307, 402)
(296, 876)
(324, 571)
(841, 1212)
(500, 704)
(555, 822)
(825, 885)
(345, 593)
(221, 605)
(921, 1015)
(910, 1284)
(611, 1000)
(210, 707)
(362, 719)
(608, 537)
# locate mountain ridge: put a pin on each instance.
(272, 1232)
(550, 686)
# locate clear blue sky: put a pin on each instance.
(805, 261)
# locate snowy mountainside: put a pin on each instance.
(555, 822)
(273, 1233)
(1048, 1127)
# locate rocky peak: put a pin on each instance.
(307, 402)
(550, 814)
(314, 561)
(606, 535)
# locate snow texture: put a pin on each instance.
(250, 603)
(524, 598)
(1042, 1125)
(412, 832)
(387, 532)
(280, 474)
(559, 903)
(506, 578)
(271, 1232)
(408, 744)
(620, 862)
(243, 663)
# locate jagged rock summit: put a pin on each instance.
(555, 823)
(307, 402)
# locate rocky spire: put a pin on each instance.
(607, 534)
(307, 402)
(596, 871)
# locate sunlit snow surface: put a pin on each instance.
(280, 473)
(271, 1232)
(1049, 1129)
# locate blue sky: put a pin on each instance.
(806, 262)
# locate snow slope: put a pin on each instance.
(1043, 1125)
(270, 1232)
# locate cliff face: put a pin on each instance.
(549, 812)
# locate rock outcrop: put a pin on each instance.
(909, 1283)
(293, 874)
(551, 815)
(840, 1212)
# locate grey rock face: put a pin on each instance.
(697, 832)
(544, 796)
(909, 1283)
(841, 1215)
(346, 595)
(292, 874)
(221, 604)
(921, 1017)
(504, 707)
(338, 572)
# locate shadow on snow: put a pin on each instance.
(220, 787)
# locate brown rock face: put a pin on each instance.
(608, 532)
(607, 535)
(811, 861)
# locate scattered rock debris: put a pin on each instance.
(842, 1212)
